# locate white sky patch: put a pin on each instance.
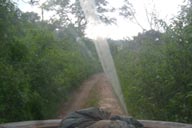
(165, 10)
(116, 3)
(26, 7)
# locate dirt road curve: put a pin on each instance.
(97, 89)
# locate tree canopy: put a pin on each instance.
(39, 65)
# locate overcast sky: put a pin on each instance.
(165, 9)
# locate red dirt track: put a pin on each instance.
(99, 83)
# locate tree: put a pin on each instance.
(68, 12)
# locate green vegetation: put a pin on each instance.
(39, 64)
(93, 100)
(155, 71)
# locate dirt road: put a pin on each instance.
(95, 91)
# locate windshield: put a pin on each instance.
(128, 57)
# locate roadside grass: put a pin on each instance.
(93, 98)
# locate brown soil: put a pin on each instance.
(98, 87)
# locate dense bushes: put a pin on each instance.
(155, 71)
(39, 65)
